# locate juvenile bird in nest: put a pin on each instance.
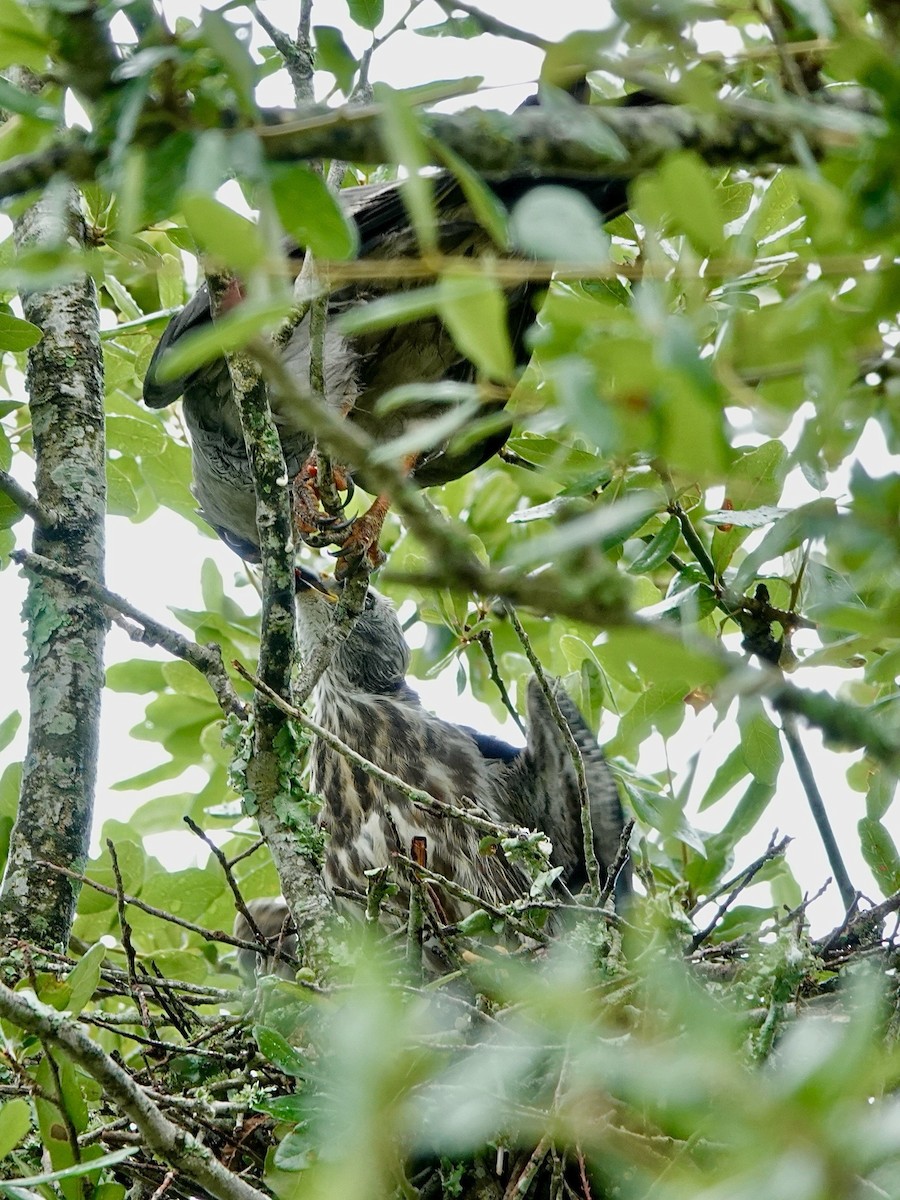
(358, 370)
(363, 697)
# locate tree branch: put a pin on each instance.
(171, 1142)
(24, 500)
(206, 659)
(818, 810)
(602, 139)
(301, 881)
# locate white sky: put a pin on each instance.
(156, 564)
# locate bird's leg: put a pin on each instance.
(362, 540)
(316, 528)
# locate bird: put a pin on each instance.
(358, 369)
(364, 698)
(273, 920)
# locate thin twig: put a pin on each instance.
(485, 640)
(503, 912)
(209, 935)
(574, 752)
(818, 810)
(239, 901)
(744, 881)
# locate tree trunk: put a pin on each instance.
(66, 630)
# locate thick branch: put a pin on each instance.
(171, 1142)
(66, 631)
(600, 139)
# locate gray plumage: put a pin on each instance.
(273, 921)
(358, 370)
(364, 698)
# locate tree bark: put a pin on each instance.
(66, 628)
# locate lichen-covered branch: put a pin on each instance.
(300, 879)
(597, 139)
(170, 1141)
(66, 628)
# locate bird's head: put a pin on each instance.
(373, 658)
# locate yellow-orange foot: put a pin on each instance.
(316, 528)
(362, 540)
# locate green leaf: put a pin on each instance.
(880, 853)
(404, 140)
(21, 42)
(755, 481)
(82, 980)
(473, 307)
(683, 193)
(221, 232)
(334, 55)
(366, 13)
(15, 1122)
(807, 521)
(310, 213)
(296, 1151)
(73, 1172)
(727, 776)
(760, 742)
(489, 212)
(559, 224)
(9, 726)
(136, 675)
(16, 334)
(221, 37)
(657, 549)
(456, 27)
(389, 311)
(279, 1051)
(283, 1108)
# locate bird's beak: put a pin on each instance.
(306, 581)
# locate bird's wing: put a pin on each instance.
(543, 789)
(195, 314)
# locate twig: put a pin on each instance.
(29, 504)
(622, 856)
(174, 1144)
(503, 912)
(209, 935)
(519, 1186)
(130, 956)
(574, 752)
(206, 659)
(774, 851)
(745, 879)
(485, 640)
(415, 795)
(239, 901)
(818, 810)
